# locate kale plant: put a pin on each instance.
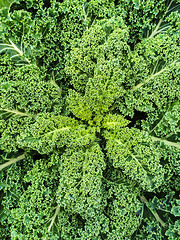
(89, 119)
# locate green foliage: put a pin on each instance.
(165, 206)
(40, 192)
(17, 92)
(5, 7)
(50, 132)
(147, 18)
(98, 53)
(89, 120)
(130, 152)
(80, 186)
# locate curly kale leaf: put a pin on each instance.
(80, 187)
(50, 132)
(33, 220)
(137, 157)
(17, 92)
(99, 46)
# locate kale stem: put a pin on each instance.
(18, 50)
(16, 112)
(174, 144)
(157, 217)
(152, 76)
(53, 82)
(11, 161)
(160, 22)
(53, 218)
